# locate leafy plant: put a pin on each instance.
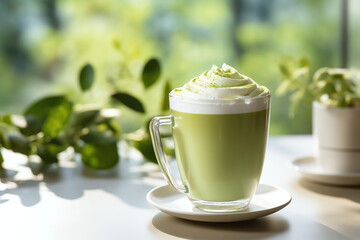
(53, 124)
(140, 139)
(334, 87)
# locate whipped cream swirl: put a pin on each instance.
(224, 83)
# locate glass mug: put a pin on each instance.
(219, 147)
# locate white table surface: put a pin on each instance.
(73, 202)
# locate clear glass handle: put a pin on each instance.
(154, 126)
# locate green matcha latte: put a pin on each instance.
(220, 129)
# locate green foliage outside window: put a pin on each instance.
(46, 48)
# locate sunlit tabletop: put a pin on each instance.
(73, 202)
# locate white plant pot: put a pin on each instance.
(336, 133)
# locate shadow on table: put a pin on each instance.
(288, 225)
(29, 188)
(123, 181)
(253, 229)
(351, 193)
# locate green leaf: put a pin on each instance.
(18, 143)
(3, 139)
(151, 72)
(145, 146)
(86, 77)
(37, 113)
(283, 88)
(6, 119)
(304, 62)
(167, 90)
(96, 135)
(286, 66)
(42, 107)
(45, 155)
(83, 119)
(33, 125)
(301, 74)
(100, 155)
(321, 74)
(142, 142)
(57, 118)
(326, 88)
(48, 152)
(1, 160)
(129, 101)
(113, 127)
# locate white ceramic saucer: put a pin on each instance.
(308, 169)
(267, 200)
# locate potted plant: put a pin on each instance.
(335, 97)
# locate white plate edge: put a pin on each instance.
(270, 210)
(327, 178)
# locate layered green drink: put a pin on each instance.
(220, 127)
